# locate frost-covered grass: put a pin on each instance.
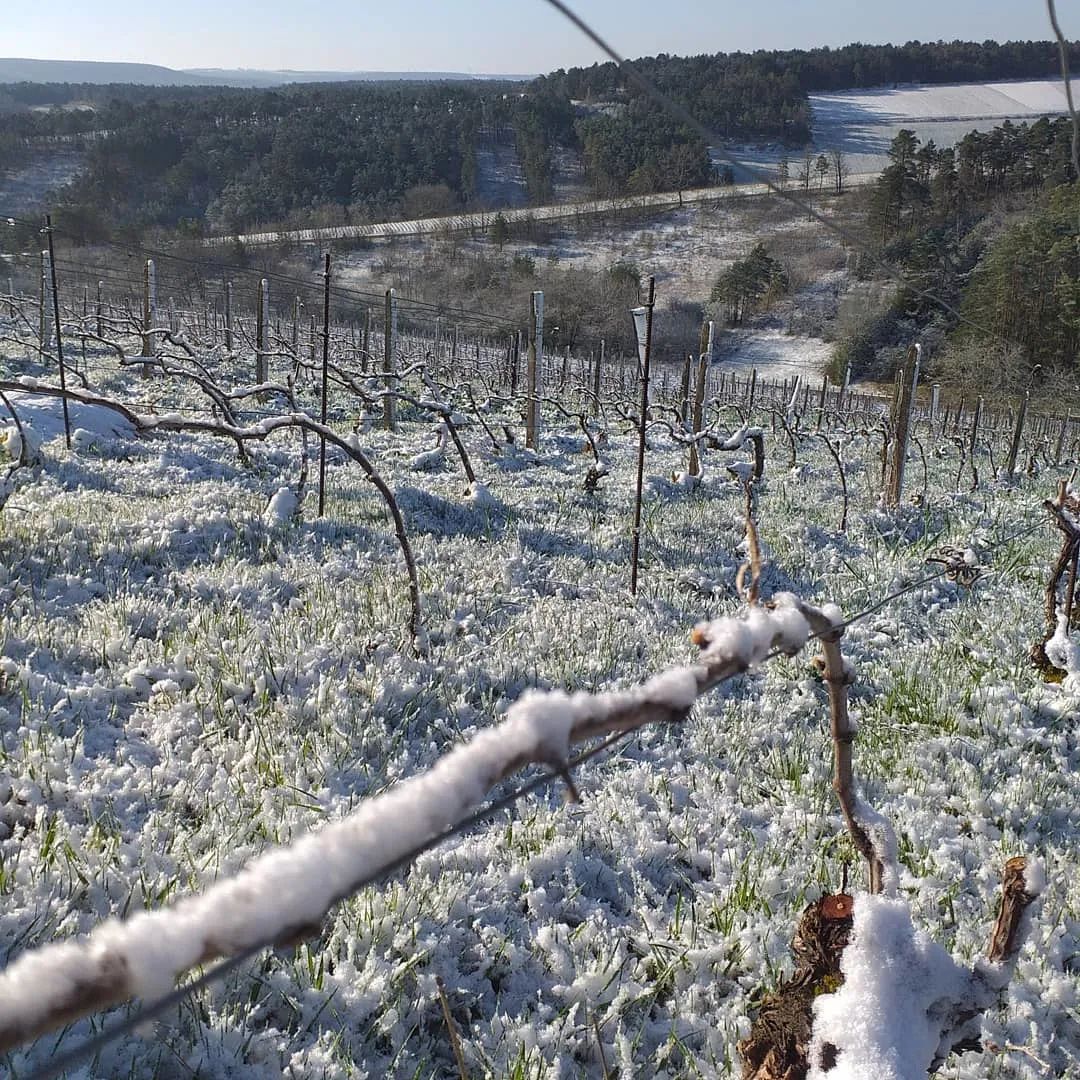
(185, 681)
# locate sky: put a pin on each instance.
(487, 36)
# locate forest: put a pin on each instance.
(224, 159)
(983, 238)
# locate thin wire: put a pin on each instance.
(464, 315)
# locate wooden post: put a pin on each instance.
(902, 427)
(753, 388)
(821, 400)
(597, 375)
(515, 362)
(325, 381)
(100, 314)
(82, 325)
(149, 311)
(43, 302)
(59, 335)
(684, 391)
(698, 414)
(646, 348)
(228, 316)
(935, 395)
(389, 333)
(262, 326)
(533, 372)
(1014, 449)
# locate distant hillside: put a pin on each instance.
(255, 77)
(99, 73)
(15, 70)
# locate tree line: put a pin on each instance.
(988, 228)
(232, 159)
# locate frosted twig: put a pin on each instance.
(871, 833)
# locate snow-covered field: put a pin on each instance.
(862, 123)
(186, 680)
(773, 355)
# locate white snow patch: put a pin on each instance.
(45, 417)
(879, 1020)
(282, 506)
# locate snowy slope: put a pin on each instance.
(184, 684)
(862, 123)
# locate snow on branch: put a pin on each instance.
(286, 892)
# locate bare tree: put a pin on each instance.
(840, 170)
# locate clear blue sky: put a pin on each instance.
(520, 36)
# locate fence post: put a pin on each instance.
(684, 389)
(1014, 449)
(644, 336)
(699, 411)
(597, 374)
(935, 394)
(905, 405)
(262, 321)
(149, 312)
(515, 362)
(43, 301)
(228, 316)
(389, 333)
(99, 312)
(533, 372)
(325, 380)
(59, 335)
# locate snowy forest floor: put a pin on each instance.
(184, 681)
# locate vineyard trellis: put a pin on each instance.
(431, 378)
(200, 381)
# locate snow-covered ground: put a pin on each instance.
(500, 181)
(775, 355)
(25, 189)
(186, 681)
(862, 123)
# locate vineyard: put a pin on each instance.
(297, 578)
